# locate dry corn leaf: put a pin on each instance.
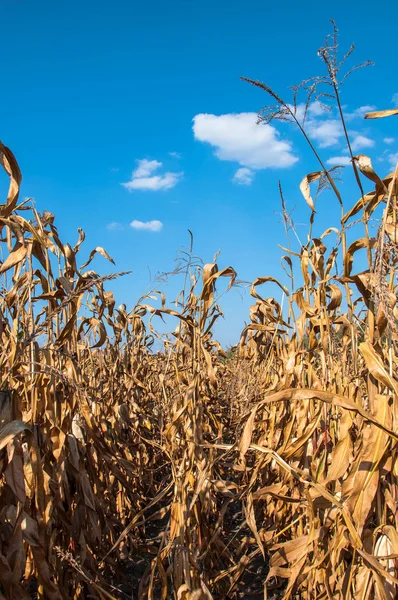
(305, 187)
(375, 364)
(379, 114)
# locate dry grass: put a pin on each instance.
(127, 472)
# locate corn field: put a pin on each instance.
(140, 465)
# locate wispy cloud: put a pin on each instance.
(237, 138)
(395, 99)
(393, 160)
(338, 160)
(143, 177)
(243, 176)
(359, 112)
(115, 226)
(361, 141)
(175, 154)
(147, 225)
(389, 140)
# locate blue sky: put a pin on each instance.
(92, 88)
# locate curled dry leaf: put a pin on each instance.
(10, 430)
(97, 250)
(365, 166)
(305, 187)
(17, 255)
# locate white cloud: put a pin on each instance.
(243, 176)
(360, 112)
(155, 183)
(175, 154)
(327, 132)
(114, 226)
(143, 177)
(299, 111)
(395, 99)
(146, 167)
(393, 160)
(339, 160)
(361, 141)
(389, 140)
(237, 138)
(146, 225)
(315, 109)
